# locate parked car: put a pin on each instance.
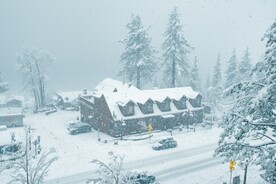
(165, 144)
(10, 148)
(142, 177)
(78, 127)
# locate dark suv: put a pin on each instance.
(78, 127)
(140, 177)
(165, 144)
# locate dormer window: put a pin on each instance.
(127, 109)
(130, 109)
(165, 105)
(181, 103)
(198, 101)
(147, 107)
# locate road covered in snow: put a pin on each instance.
(165, 168)
(192, 160)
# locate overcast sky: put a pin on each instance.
(83, 35)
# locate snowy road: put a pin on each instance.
(165, 167)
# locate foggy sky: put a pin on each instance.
(83, 35)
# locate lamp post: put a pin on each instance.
(99, 139)
(122, 127)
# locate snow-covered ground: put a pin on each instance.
(190, 162)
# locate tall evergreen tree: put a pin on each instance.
(216, 86)
(231, 71)
(139, 56)
(194, 81)
(250, 126)
(207, 87)
(245, 66)
(217, 78)
(3, 85)
(175, 50)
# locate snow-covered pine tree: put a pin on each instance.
(245, 66)
(194, 80)
(175, 48)
(232, 70)
(217, 78)
(3, 85)
(139, 61)
(207, 86)
(251, 123)
(216, 87)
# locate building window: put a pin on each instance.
(198, 102)
(167, 106)
(130, 109)
(183, 103)
(149, 108)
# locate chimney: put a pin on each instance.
(85, 91)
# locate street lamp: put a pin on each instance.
(122, 127)
(99, 139)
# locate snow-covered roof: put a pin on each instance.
(15, 97)
(126, 93)
(109, 86)
(2, 100)
(10, 110)
(72, 95)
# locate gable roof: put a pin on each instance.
(109, 86)
(17, 98)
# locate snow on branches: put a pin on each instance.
(4, 86)
(175, 50)
(33, 65)
(139, 60)
(251, 122)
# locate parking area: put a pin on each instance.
(76, 151)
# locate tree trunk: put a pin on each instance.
(138, 78)
(40, 83)
(36, 98)
(173, 74)
(245, 173)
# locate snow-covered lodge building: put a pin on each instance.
(116, 107)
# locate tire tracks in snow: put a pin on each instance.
(163, 158)
(187, 168)
(170, 156)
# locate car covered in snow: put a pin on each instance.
(141, 177)
(11, 148)
(11, 151)
(165, 144)
(78, 127)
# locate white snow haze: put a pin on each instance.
(84, 35)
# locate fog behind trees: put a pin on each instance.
(83, 36)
